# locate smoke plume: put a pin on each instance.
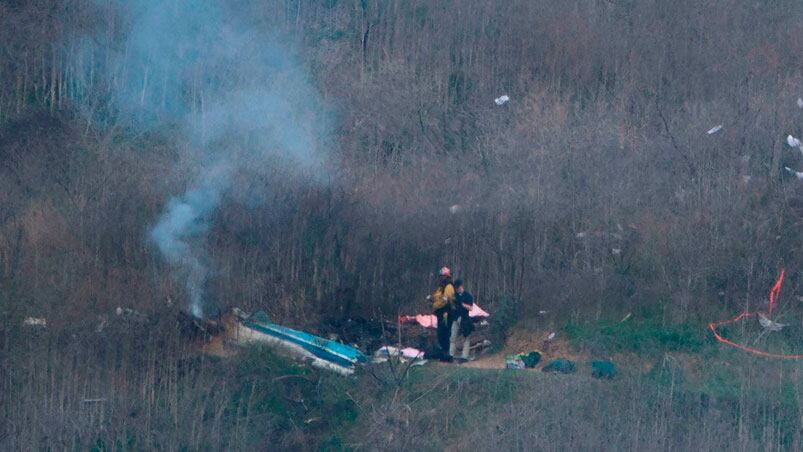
(236, 92)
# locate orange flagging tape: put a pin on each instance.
(774, 292)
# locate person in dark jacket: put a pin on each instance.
(462, 325)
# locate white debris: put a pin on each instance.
(542, 312)
(412, 353)
(551, 336)
(502, 100)
(626, 317)
(236, 311)
(454, 209)
(616, 251)
(101, 324)
(746, 179)
(409, 353)
(792, 141)
(800, 102)
(34, 321)
(714, 129)
(580, 235)
(769, 324)
(797, 174)
(128, 312)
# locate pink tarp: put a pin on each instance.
(430, 321)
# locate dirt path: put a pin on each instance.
(520, 341)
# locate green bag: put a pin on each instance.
(603, 369)
(563, 366)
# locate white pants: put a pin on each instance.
(455, 337)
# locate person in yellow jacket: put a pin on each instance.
(443, 308)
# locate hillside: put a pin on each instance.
(577, 163)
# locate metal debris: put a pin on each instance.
(768, 324)
(35, 321)
(797, 174)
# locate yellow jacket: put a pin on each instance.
(443, 296)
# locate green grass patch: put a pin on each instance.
(637, 335)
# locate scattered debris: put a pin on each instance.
(580, 235)
(317, 351)
(531, 359)
(616, 251)
(551, 336)
(454, 209)
(768, 324)
(763, 320)
(35, 321)
(542, 312)
(714, 129)
(626, 317)
(514, 362)
(794, 142)
(129, 312)
(384, 353)
(563, 366)
(797, 174)
(502, 100)
(430, 321)
(102, 324)
(603, 369)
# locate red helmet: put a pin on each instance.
(446, 272)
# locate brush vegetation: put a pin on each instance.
(593, 193)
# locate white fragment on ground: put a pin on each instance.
(768, 324)
(502, 100)
(455, 208)
(797, 174)
(626, 317)
(800, 102)
(409, 353)
(34, 321)
(101, 324)
(616, 251)
(714, 129)
(794, 142)
(542, 312)
(580, 235)
(551, 336)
